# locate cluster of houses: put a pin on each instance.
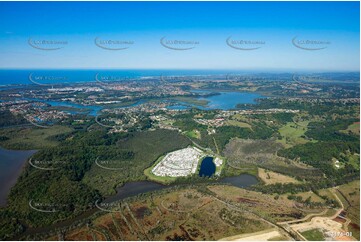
(179, 163)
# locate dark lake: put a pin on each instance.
(242, 181)
(11, 164)
(208, 168)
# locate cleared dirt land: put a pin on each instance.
(258, 236)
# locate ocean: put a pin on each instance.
(61, 76)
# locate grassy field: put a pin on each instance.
(238, 123)
(354, 160)
(305, 195)
(32, 137)
(231, 170)
(243, 120)
(267, 206)
(270, 177)
(313, 235)
(326, 192)
(193, 134)
(291, 133)
(354, 128)
(314, 197)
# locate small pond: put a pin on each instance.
(208, 168)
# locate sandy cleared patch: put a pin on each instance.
(344, 238)
(319, 222)
(326, 224)
(258, 236)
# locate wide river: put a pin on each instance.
(11, 164)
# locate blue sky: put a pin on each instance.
(209, 24)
